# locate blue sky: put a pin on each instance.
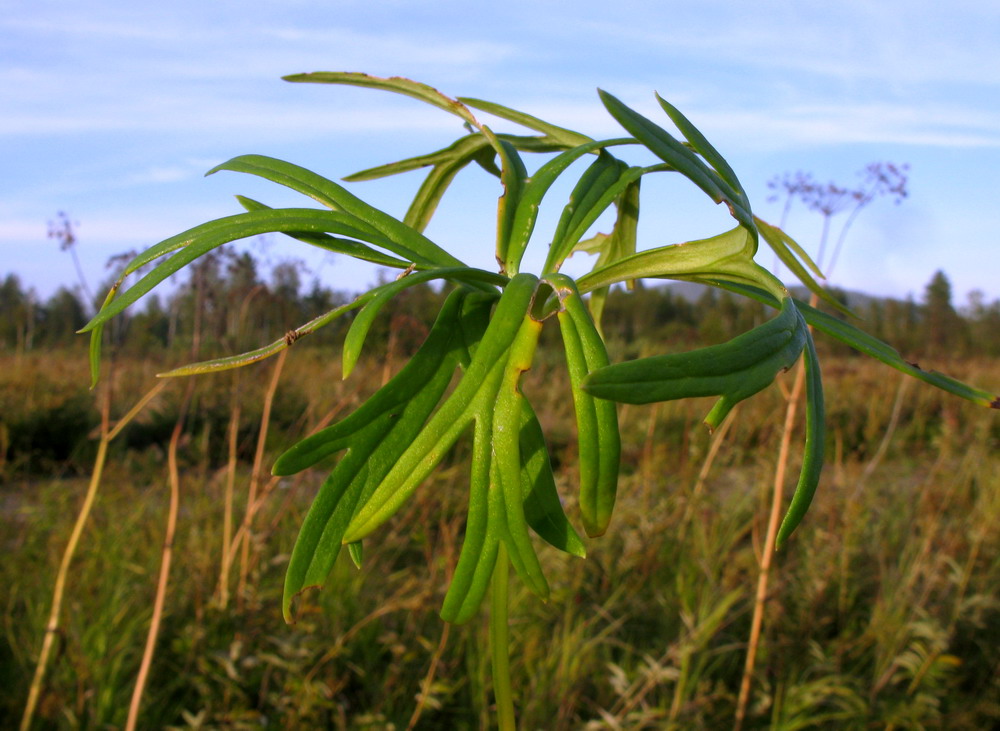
(113, 110)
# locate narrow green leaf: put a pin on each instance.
(596, 420)
(482, 537)
(786, 249)
(441, 344)
(596, 179)
(869, 345)
(358, 332)
(662, 144)
(561, 135)
(507, 412)
(292, 336)
(728, 256)
(396, 84)
(334, 244)
(477, 390)
(812, 462)
(375, 437)
(705, 148)
(463, 147)
(538, 185)
(407, 241)
(542, 507)
(426, 201)
(512, 177)
(202, 239)
(734, 370)
(96, 338)
(357, 553)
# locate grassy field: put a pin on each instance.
(884, 609)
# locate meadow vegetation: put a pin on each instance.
(885, 610)
(881, 611)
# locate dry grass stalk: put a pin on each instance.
(58, 591)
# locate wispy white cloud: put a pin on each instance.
(892, 40)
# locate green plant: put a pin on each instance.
(489, 327)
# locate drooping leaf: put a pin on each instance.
(596, 420)
(734, 370)
(812, 460)
(506, 415)
(542, 506)
(861, 341)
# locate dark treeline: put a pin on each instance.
(228, 305)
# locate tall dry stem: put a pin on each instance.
(165, 561)
(58, 591)
(760, 599)
(227, 516)
(255, 475)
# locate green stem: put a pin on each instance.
(500, 643)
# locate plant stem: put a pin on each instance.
(760, 599)
(500, 643)
(258, 461)
(165, 561)
(425, 686)
(227, 518)
(52, 626)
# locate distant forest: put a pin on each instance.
(230, 306)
